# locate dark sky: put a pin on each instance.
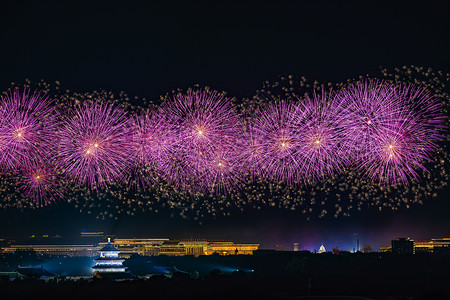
(149, 50)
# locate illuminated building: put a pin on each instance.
(322, 249)
(295, 246)
(230, 248)
(109, 265)
(154, 247)
(438, 246)
(85, 233)
(143, 247)
(109, 260)
(434, 245)
(57, 250)
(172, 248)
(195, 247)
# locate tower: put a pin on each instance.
(295, 246)
(109, 261)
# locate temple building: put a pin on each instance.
(109, 265)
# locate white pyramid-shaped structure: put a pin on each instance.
(322, 249)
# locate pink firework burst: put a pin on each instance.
(220, 170)
(40, 182)
(274, 143)
(252, 151)
(155, 135)
(395, 143)
(27, 128)
(208, 141)
(95, 144)
(370, 106)
(323, 146)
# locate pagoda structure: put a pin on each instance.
(109, 264)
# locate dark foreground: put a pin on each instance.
(273, 276)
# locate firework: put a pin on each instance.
(274, 148)
(40, 182)
(371, 106)
(323, 145)
(295, 145)
(27, 128)
(394, 128)
(155, 135)
(208, 140)
(95, 145)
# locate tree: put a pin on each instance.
(336, 250)
(366, 248)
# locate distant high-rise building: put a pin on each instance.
(403, 246)
(295, 246)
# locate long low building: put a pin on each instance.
(153, 247)
(57, 250)
(144, 247)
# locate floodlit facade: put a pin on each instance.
(56, 250)
(438, 246)
(230, 248)
(143, 247)
(433, 245)
(154, 247)
(109, 260)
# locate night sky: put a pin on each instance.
(150, 50)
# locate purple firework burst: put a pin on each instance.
(27, 128)
(395, 129)
(208, 141)
(370, 106)
(273, 145)
(40, 182)
(155, 134)
(95, 144)
(323, 146)
(221, 169)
